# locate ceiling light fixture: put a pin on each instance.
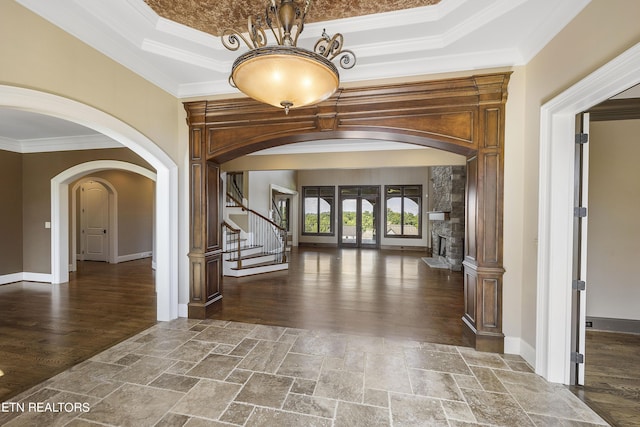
(285, 75)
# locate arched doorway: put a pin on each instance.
(464, 116)
(166, 183)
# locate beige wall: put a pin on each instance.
(613, 233)
(135, 210)
(602, 31)
(10, 213)
(37, 171)
(43, 57)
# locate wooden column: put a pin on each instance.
(483, 268)
(205, 254)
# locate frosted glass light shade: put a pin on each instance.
(285, 76)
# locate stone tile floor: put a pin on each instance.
(218, 373)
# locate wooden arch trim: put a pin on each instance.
(461, 115)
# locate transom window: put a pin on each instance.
(403, 211)
(318, 208)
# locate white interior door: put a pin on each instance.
(95, 221)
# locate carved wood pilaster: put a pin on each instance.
(205, 258)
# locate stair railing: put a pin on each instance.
(265, 233)
(232, 243)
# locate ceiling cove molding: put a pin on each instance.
(67, 143)
(7, 144)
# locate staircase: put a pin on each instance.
(257, 246)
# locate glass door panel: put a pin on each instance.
(349, 222)
(358, 212)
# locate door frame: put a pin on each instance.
(555, 208)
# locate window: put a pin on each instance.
(318, 210)
(402, 211)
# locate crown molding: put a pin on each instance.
(67, 143)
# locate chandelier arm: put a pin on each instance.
(347, 60)
(231, 40)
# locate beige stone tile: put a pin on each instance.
(192, 351)
(245, 346)
(531, 381)
(301, 366)
(241, 325)
(376, 397)
(434, 384)
(467, 381)
(199, 422)
(86, 377)
(357, 415)
(458, 411)
(180, 367)
(545, 420)
(310, 405)
(179, 323)
(118, 351)
(340, 385)
(223, 349)
(288, 338)
(365, 344)
(488, 379)
(174, 382)
(239, 376)
(561, 403)
(266, 332)
(432, 360)
(215, 366)
(387, 372)
(172, 420)
(397, 346)
(266, 356)
(265, 390)
(133, 405)
(263, 417)
(237, 413)
(303, 386)
(128, 360)
(219, 335)
(484, 359)
(496, 408)
(325, 345)
(144, 371)
(207, 399)
(418, 411)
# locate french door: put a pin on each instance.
(359, 210)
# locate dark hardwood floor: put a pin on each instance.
(612, 377)
(363, 291)
(46, 329)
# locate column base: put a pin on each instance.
(202, 311)
(482, 341)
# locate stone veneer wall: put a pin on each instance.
(447, 195)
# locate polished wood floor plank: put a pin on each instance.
(612, 377)
(363, 291)
(46, 329)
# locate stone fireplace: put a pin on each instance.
(447, 202)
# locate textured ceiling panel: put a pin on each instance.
(214, 16)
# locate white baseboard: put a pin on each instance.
(10, 278)
(515, 345)
(132, 257)
(183, 310)
(26, 277)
